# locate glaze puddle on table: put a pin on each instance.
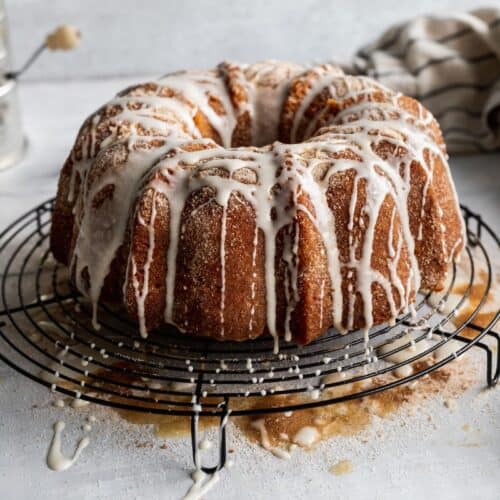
(341, 419)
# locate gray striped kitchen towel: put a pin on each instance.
(451, 63)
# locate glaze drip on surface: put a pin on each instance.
(55, 458)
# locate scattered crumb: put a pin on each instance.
(466, 427)
(451, 404)
(342, 467)
(470, 445)
(143, 444)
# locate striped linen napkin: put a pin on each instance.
(451, 63)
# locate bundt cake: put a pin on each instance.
(253, 199)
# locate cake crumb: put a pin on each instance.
(342, 467)
(451, 404)
(143, 444)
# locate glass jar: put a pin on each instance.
(12, 142)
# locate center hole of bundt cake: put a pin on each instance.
(265, 124)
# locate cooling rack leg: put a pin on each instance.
(195, 418)
(492, 372)
(473, 235)
(222, 443)
(39, 212)
(493, 377)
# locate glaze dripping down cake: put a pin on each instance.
(254, 199)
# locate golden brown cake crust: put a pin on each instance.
(337, 225)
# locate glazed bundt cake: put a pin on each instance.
(256, 199)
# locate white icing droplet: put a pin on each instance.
(79, 403)
(315, 394)
(55, 459)
(205, 444)
(306, 436)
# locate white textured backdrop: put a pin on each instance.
(127, 37)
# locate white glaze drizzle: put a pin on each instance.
(202, 484)
(260, 426)
(141, 292)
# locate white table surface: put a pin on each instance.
(412, 459)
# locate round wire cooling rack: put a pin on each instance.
(46, 333)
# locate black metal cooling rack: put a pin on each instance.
(46, 334)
